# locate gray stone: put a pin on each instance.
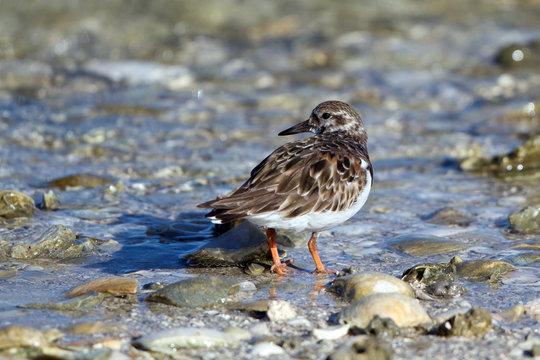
(196, 292)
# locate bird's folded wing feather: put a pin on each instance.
(299, 177)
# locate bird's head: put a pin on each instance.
(329, 116)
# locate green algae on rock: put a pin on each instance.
(14, 204)
(355, 287)
(87, 301)
(527, 220)
(56, 242)
(436, 280)
(196, 292)
(478, 270)
(522, 161)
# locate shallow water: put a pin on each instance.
(202, 105)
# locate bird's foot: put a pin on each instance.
(281, 267)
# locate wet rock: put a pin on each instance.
(433, 280)
(403, 310)
(331, 332)
(25, 74)
(255, 269)
(384, 328)
(93, 327)
(355, 287)
(532, 309)
(449, 216)
(482, 270)
(196, 292)
(87, 301)
(172, 340)
(256, 309)
(523, 259)
(280, 310)
(522, 161)
(421, 245)
(266, 348)
(363, 348)
(80, 181)
(238, 333)
(475, 322)
(527, 220)
(519, 55)
(514, 314)
(57, 242)
(110, 285)
(154, 286)
(14, 204)
(237, 247)
(49, 200)
(13, 337)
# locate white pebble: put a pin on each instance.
(267, 349)
(331, 333)
(280, 310)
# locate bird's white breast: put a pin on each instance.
(313, 221)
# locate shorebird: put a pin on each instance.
(311, 184)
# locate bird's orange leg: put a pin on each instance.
(312, 245)
(278, 266)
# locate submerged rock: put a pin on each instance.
(84, 302)
(57, 242)
(111, 285)
(355, 287)
(80, 181)
(421, 245)
(14, 204)
(449, 216)
(524, 259)
(524, 160)
(239, 246)
(171, 340)
(475, 322)
(437, 280)
(196, 292)
(403, 310)
(363, 348)
(527, 220)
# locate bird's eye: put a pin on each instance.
(325, 116)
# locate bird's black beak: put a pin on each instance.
(304, 126)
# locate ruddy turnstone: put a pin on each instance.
(311, 184)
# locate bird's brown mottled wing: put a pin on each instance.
(306, 175)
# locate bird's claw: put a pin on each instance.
(281, 267)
